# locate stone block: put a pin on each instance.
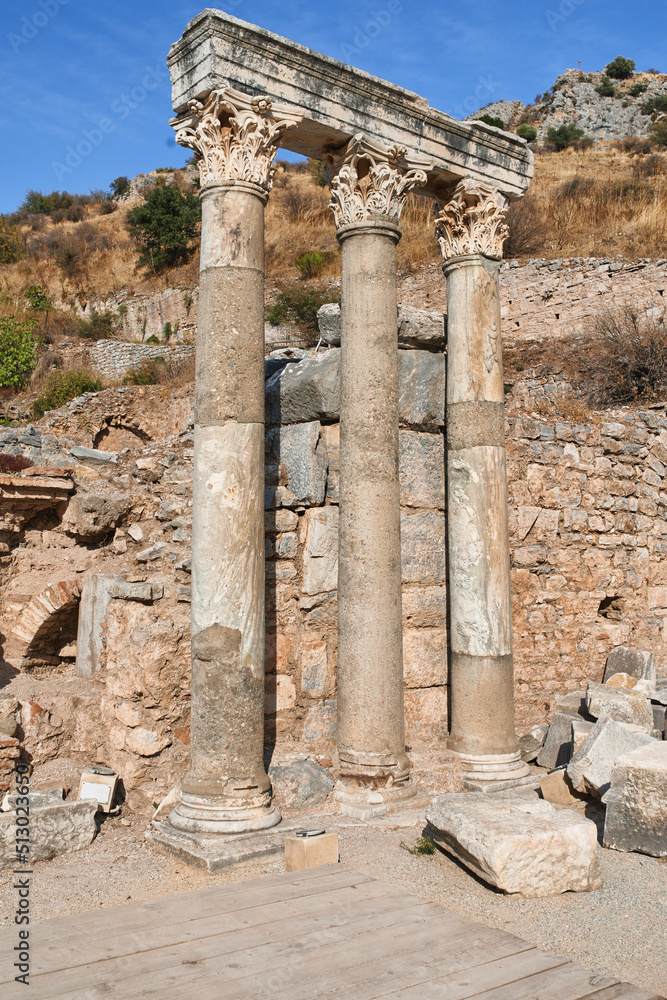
(521, 845)
(302, 466)
(425, 713)
(573, 702)
(590, 768)
(311, 852)
(314, 668)
(424, 657)
(557, 748)
(422, 469)
(636, 817)
(532, 742)
(622, 706)
(331, 442)
(330, 323)
(280, 693)
(581, 730)
(54, 829)
(95, 600)
(320, 722)
(91, 516)
(659, 712)
(301, 785)
(557, 789)
(320, 556)
(309, 390)
(637, 663)
(94, 456)
(421, 388)
(420, 329)
(423, 547)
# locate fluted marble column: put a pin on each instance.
(227, 789)
(471, 231)
(369, 187)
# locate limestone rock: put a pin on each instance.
(659, 718)
(574, 702)
(532, 742)
(622, 706)
(519, 844)
(306, 391)
(635, 662)
(91, 516)
(417, 328)
(301, 465)
(9, 708)
(580, 731)
(422, 469)
(636, 818)
(320, 559)
(94, 456)
(54, 829)
(557, 789)
(623, 681)
(421, 388)
(301, 785)
(145, 742)
(329, 322)
(423, 547)
(557, 748)
(590, 768)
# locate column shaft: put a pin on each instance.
(371, 734)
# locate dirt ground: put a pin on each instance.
(620, 930)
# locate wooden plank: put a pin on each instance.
(622, 991)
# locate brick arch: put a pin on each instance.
(38, 632)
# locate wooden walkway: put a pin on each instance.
(324, 933)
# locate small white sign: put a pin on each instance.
(92, 790)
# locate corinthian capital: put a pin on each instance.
(368, 181)
(473, 221)
(235, 137)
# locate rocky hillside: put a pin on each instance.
(574, 99)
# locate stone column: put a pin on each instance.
(369, 189)
(227, 789)
(471, 231)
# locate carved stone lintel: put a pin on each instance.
(369, 181)
(235, 136)
(473, 221)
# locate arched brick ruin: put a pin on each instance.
(44, 626)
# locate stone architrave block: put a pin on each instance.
(55, 829)
(95, 599)
(309, 390)
(294, 450)
(590, 768)
(636, 662)
(421, 467)
(421, 388)
(557, 748)
(521, 845)
(631, 707)
(636, 818)
(320, 556)
(301, 785)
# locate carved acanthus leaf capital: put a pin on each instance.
(235, 136)
(368, 181)
(473, 221)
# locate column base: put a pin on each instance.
(493, 771)
(372, 803)
(196, 815)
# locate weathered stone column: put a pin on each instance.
(369, 190)
(471, 231)
(227, 789)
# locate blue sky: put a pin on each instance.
(66, 65)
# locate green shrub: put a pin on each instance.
(316, 171)
(36, 203)
(37, 299)
(620, 68)
(656, 103)
(18, 352)
(11, 244)
(564, 135)
(637, 89)
(61, 386)
(298, 305)
(153, 339)
(98, 327)
(658, 132)
(164, 227)
(528, 132)
(606, 88)
(119, 187)
(146, 374)
(423, 846)
(490, 120)
(311, 264)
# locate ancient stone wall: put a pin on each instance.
(114, 359)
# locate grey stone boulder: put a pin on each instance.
(591, 766)
(631, 707)
(636, 662)
(54, 829)
(573, 702)
(91, 516)
(94, 456)
(659, 714)
(581, 730)
(329, 323)
(532, 742)
(300, 465)
(557, 748)
(420, 329)
(636, 817)
(521, 845)
(301, 785)
(309, 390)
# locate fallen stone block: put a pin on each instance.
(591, 766)
(636, 818)
(557, 748)
(532, 742)
(557, 789)
(521, 845)
(636, 662)
(309, 390)
(54, 829)
(415, 327)
(621, 706)
(659, 712)
(580, 731)
(301, 785)
(94, 456)
(574, 702)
